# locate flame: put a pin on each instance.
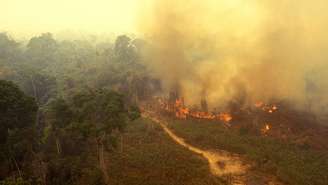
(266, 129)
(226, 117)
(259, 104)
(182, 112)
(265, 107)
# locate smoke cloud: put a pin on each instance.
(261, 50)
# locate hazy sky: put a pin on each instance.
(100, 16)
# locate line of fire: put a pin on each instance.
(276, 120)
(174, 106)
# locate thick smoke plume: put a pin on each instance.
(254, 50)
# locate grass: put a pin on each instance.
(290, 163)
(150, 157)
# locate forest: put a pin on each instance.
(63, 103)
(163, 92)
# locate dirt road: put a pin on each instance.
(221, 163)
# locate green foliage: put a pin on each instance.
(87, 120)
(60, 113)
(17, 129)
(51, 143)
(17, 113)
(104, 109)
(134, 113)
(9, 49)
(14, 181)
(123, 51)
(36, 84)
(41, 86)
(88, 114)
(16, 109)
(41, 50)
(46, 67)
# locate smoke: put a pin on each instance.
(222, 50)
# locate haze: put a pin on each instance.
(20, 17)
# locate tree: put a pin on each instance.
(60, 116)
(14, 181)
(134, 113)
(41, 86)
(103, 109)
(124, 50)
(17, 118)
(9, 49)
(41, 50)
(91, 120)
(105, 112)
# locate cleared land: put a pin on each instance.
(290, 163)
(150, 157)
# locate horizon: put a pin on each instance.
(100, 17)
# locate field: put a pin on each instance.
(148, 156)
(290, 163)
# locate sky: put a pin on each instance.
(93, 16)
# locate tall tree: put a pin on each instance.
(9, 51)
(105, 112)
(17, 118)
(41, 50)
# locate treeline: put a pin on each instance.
(44, 67)
(63, 104)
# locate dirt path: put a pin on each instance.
(221, 163)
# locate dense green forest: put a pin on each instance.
(64, 103)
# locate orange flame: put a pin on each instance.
(266, 108)
(266, 129)
(183, 112)
(225, 117)
(259, 104)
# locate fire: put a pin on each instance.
(178, 103)
(182, 112)
(266, 108)
(259, 104)
(225, 117)
(266, 129)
